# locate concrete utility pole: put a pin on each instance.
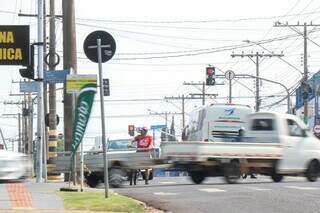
(304, 81)
(30, 125)
(52, 150)
(165, 116)
(40, 114)
(182, 98)
(19, 134)
(203, 93)
(257, 55)
(69, 62)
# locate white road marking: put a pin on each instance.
(168, 182)
(212, 190)
(258, 189)
(302, 187)
(165, 193)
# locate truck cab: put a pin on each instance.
(300, 148)
(274, 144)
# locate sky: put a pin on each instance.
(162, 44)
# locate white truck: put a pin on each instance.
(216, 122)
(275, 145)
(121, 160)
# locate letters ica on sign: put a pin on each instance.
(14, 45)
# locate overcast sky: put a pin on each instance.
(161, 44)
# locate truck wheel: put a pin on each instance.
(116, 177)
(232, 172)
(313, 171)
(276, 177)
(197, 176)
(92, 180)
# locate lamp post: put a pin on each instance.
(271, 81)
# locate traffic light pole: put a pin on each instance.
(40, 116)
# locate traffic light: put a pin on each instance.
(28, 72)
(131, 130)
(210, 76)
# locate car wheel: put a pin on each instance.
(116, 177)
(232, 172)
(197, 176)
(313, 171)
(92, 180)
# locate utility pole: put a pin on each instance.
(182, 98)
(69, 62)
(52, 146)
(257, 55)
(203, 93)
(19, 134)
(22, 126)
(304, 81)
(40, 114)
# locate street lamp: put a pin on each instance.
(271, 81)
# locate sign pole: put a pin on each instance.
(230, 90)
(105, 161)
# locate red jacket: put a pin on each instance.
(143, 142)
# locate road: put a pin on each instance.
(178, 194)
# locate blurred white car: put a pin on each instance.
(14, 165)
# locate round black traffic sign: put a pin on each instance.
(108, 46)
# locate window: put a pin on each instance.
(294, 129)
(262, 124)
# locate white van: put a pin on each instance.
(216, 121)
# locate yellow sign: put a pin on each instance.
(14, 45)
(76, 82)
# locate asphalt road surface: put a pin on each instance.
(179, 194)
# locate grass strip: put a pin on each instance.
(95, 201)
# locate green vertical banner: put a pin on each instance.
(82, 114)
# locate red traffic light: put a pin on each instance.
(131, 130)
(210, 71)
(131, 127)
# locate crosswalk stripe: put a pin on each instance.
(302, 187)
(258, 189)
(212, 190)
(165, 193)
(168, 182)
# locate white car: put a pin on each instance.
(13, 166)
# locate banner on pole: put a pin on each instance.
(75, 83)
(82, 114)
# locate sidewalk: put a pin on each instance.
(31, 197)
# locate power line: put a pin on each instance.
(201, 21)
